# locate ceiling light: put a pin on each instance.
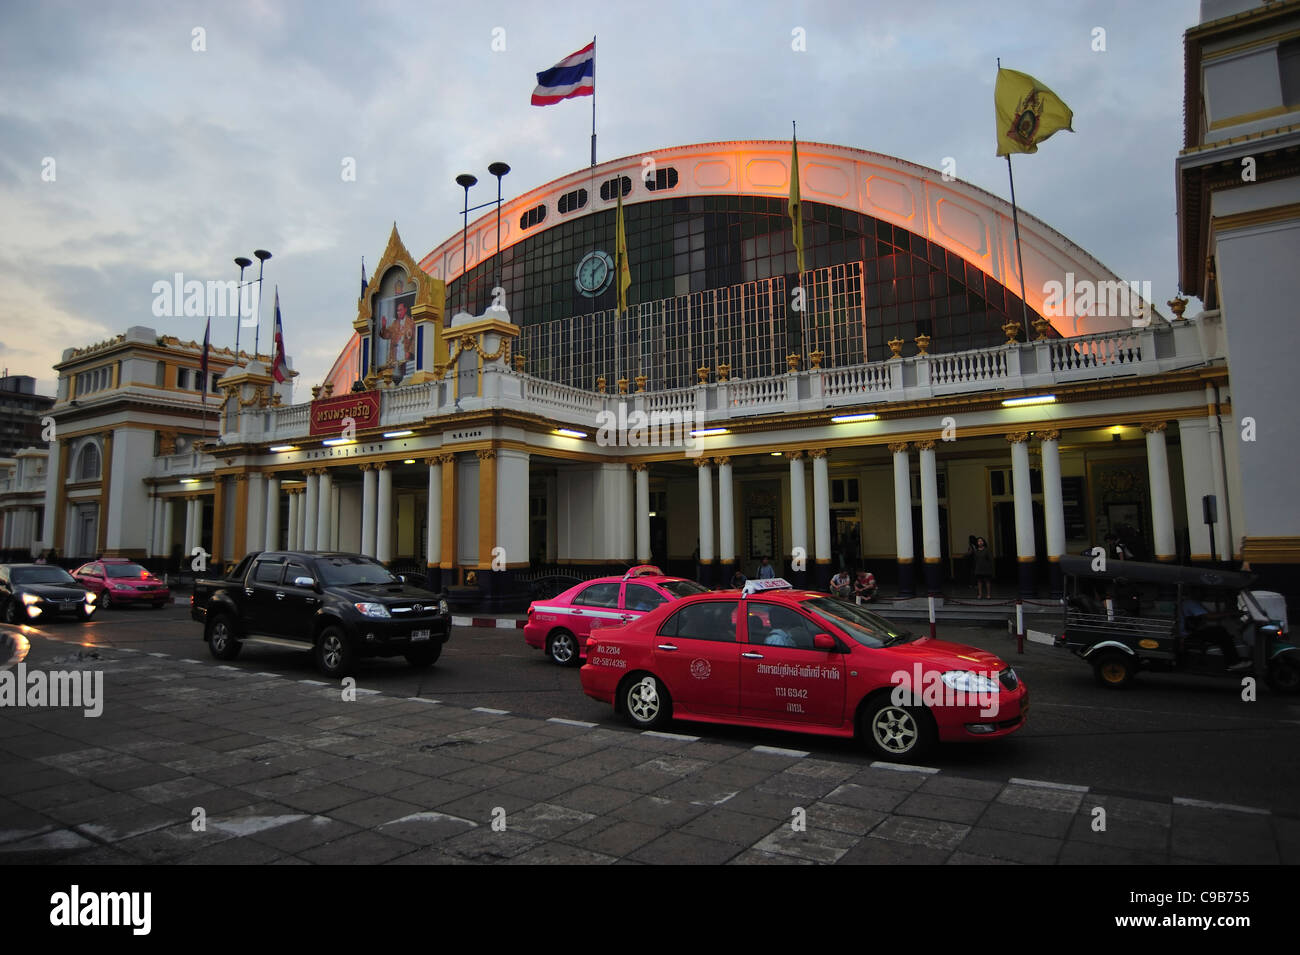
(850, 418)
(569, 433)
(1032, 400)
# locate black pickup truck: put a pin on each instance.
(341, 606)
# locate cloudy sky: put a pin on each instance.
(168, 158)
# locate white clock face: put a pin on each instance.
(593, 273)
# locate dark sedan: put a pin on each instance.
(40, 591)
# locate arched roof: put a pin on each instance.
(962, 218)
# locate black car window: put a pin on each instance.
(268, 571)
(125, 570)
(683, 588)
(598, 595)
(786, 627)
(708, 620)
(641, 598)
(349, 571)
(41, 575)
(865, 627)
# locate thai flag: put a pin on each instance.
(575, 75)
(279, 368)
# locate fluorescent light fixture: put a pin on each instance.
(409, 461)
(850, 418)
(569, 433)
(398, 434)
(708, 432)
(1031, 400)
(189, 480)
(1118, 429)
(654, 514)
(776, 454)
(284, 447)
(330, 442)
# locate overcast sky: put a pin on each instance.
(169, 159)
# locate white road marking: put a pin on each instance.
(904, 768)
(421, 699)
(778, 751)
(659, 735)
(1040, 784)
(314, 682)
(564, 722)
(488, 709)
(160, 654)
(1226, 806)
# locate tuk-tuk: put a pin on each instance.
(1125, 616)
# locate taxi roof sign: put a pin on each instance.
(771, 583)
(643, 570)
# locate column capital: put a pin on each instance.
(240, 475)
(817, 453)
(447, 458)
(1151, 427)
(380, 465)
(703, 462)
(638, 468)
(723, 460)
(926, 445)
(898, 447)
(432, 460)
(486, 454)
(365, 466)
(1017, 437)
(1052, 435)
(794, 455)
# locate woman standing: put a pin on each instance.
(983, 566)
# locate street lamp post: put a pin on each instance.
(262, 256)
(465, 180)
(243, 262)
(498, 169)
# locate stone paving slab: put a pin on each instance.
(195, 763)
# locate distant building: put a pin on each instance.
(21, 409)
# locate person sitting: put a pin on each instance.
(841, 585)
(864, 587)
(1201, 626)
(738, 580)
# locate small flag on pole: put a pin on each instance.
(623, 272)
(279, 368)
(364, 283)
(575, 75)
(796, 218)
(203, 362)
(1027, 113)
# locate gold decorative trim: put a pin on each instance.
(898, 447)
(1241, 220)
(1154, 427)
(1271, 550)
(1017, 437)
(926, 445)
(1051, 435)
(723, 461)
(702, 462)
(794, 455)
(817, 453)
(1252, 117)
(486, 454)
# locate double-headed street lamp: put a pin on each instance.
(244, 262)
(465, 180)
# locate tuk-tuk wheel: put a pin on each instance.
(1114, 670)
(1284, 676)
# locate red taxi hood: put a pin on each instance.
(945, 656)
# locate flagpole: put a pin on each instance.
(593, 102)
(1015, 222)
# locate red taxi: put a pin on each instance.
(560, 626)
(118, 582)
(799, 660)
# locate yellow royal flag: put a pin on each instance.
(1028, 112)
(796, 218)
(620, 253)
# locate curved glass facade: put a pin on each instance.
(677, 246)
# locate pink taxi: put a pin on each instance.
(560, 626)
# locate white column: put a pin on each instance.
(155, 529)
(1023, 496)
(324, 497)
(1053, 508)
(255, 525)
(271, 539)
(291, 539)
(1223, 543)
(821, 506)
(726, 515)
(168, 525)
(334, 516)
(310, 515)
(930, 544)
(798, 505)
(384, 532)
(191, 528)
(433, 515)
(706, 509)
(902, 503)
(369, 482)
(642, 472)
(7, 533)
(1162, 504)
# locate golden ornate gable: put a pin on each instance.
(429, 291)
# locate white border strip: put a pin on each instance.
(1041, 784)
(1227, 806)
(778, 751)
(904, 768)
(490, 710)
(563, 722)
(680, 736)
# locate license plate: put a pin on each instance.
(419, 635)
(68, 604)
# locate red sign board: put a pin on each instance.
(330, 415)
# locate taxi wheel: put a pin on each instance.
(1284, 676)
(222, 638)
(645, 702)
(562, 647)
(334, 654)
(1114, 670)
(11, 612)
(422, 657)
(106, 601)
(894, 732)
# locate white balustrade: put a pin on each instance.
(857, 380)
(757, 392)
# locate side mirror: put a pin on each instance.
(402, 578)
(304, 582)
(824, 641)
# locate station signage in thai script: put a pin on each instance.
(330, 415)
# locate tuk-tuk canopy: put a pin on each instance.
(1141, 572)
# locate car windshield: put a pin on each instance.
(345, 571)
(863, 626)
(41, 575)
(683, 588)
(125, 570)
